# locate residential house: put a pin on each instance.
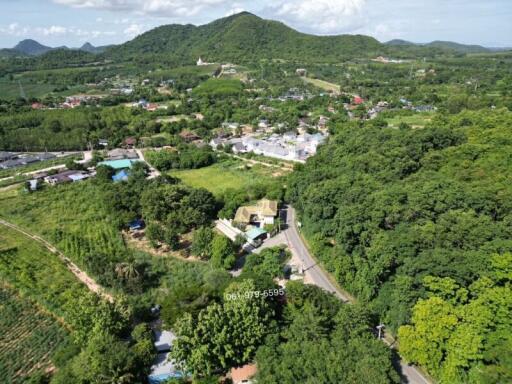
(244, 374)
(66, 177)
(264, 212)
(163, 369)
(189, 136)
(130, 142)
(118, 164)
(357, 100)
(215, 143)
(120, 154)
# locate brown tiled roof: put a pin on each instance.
(264, 207)
(243, 373)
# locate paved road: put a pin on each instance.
(320, 278)
(153, 172)
(81, 275)
(309, 265)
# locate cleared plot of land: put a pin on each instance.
(323, 84)
(11, 89)
(28, 337)
(229, 174)
(418, 120)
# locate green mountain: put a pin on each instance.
(88, 47)
(442, 45)
(243, 37)
(462, 48)
(31, 47)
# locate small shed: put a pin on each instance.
(136, 224)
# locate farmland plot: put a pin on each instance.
(28, 337)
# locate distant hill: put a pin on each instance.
(463, 48)
(88, 47)
(399, 42)
(243, 37)
(31, 47)
(444, 45)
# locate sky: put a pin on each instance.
(74, 22)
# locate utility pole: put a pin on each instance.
(380, 327)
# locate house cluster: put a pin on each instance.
(70, 102)
(289, 146)
(374, 111)
(125, 90)
(146, 105)
(121, 160)
(387, 60)
(295, 94)
(10, 160)
(417, 108)
(67, 176)
(77, 100)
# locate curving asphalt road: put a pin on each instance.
(320, 278)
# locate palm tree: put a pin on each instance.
(127, 270)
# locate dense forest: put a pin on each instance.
(413, 222)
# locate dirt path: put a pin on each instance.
(75, 270)
(286, 168)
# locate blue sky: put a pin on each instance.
(73, 22)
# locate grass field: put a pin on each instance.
(11, 89)
(28, 337)
(325, 85)
(228, 174)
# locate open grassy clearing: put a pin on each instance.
(28, 337)
(228, 174)
(325, 85)
(72, 217)
(11, 89)
(36, 273)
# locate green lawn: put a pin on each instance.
(224, 175)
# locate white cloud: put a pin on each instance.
(165, 8)
(134, 30)
(53, 30)
(323, 16)
(14, 29)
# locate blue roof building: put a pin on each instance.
(118, 164)
(122, 175)
(255, 233)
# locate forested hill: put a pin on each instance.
(244, 38)
(417, 223)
